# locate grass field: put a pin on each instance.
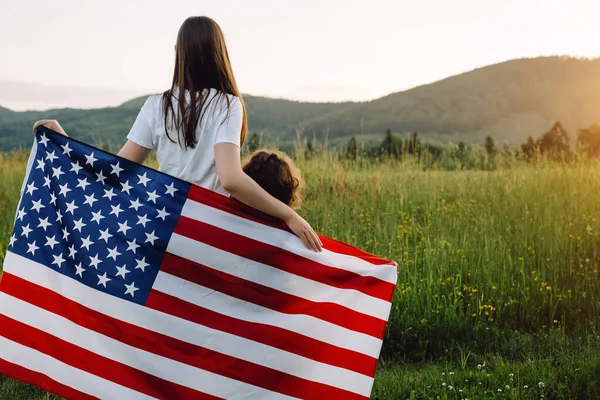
(498, 293)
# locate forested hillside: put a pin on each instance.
(508, 101)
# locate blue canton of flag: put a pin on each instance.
(96, 218)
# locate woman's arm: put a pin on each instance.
(131, 151)
(134, 152)
(242, 187)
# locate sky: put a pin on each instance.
(99, 53)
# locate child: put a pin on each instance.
(276, 173)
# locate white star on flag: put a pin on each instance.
(43, 139)
(72, 252)
(89, 160)
(141, 264)
(65, 233)
(26, 231)
(126, 187)
(123, 227)
(132, 245)
(104, 235)
(83, 183)
(109, 193)
(152, 196)
(71, 207)
(100, 177)
(44, 224)
(94, 261)
(116, 210)
(135, 204)
(51, 242)
(142, 220)
(57, 172)
(130, 289)
(150, 237)
(32, 248)
(113, 253)
(162, 214)
(86, 242)
(75, 167)
(97, 216)
(64, 189)
(66, 149)
(31, 188)
(58, 260)
(90, 200)
(171, 189)
(122, 271)
(116, 169)
(79, 270)
(143, 179)
(37, 205)
(103, 279)
(50, 156)
(79, 224)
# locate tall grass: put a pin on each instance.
(497, 269)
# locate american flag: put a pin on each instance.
(121, 282)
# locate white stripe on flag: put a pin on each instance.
(63, 373)
(303, 324)
(162, 367)
(276, 278)
(184, 330)
(285, 240)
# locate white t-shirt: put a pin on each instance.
(195, 165)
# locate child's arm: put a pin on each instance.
(242, 187)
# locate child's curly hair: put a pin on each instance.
(275, 172)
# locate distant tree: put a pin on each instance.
(352, 149)
(530, 148)
(414, 144)
(555, 142)
(388, 143)
(253, 142)
(490, 146)
(588, 140)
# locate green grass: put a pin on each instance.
(497, 269)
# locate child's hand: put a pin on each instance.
(304, 231)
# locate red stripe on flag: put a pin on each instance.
(169, 347)
(271, 298)
(43, 381)
(287, 261)
(270, 335)
(95, 364)
(232, 206)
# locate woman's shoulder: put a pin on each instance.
(223, 98)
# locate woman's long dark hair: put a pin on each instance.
(201, 62)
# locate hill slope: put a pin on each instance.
(509, 101)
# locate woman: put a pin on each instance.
(198, 126)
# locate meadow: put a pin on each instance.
(498, 292)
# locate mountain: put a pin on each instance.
(508, 101)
